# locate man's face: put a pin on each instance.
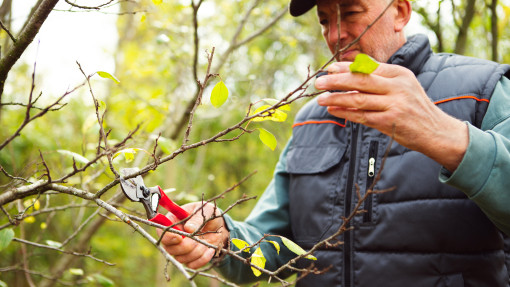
(380, 41)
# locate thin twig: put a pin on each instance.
(198, 100)
(60, 250)
(7, 30)
(89, 7)
(100, 120)
(82, 225)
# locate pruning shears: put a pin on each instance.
(150, 197)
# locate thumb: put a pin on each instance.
(193, 223)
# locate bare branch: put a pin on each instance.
(100, 120)
(29, 118)
(89, 7)
(33, 107)
(7, 30)
(60, 250)
(198, 99)
(26, 37)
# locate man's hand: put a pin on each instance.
(392, 96)
(189, 251)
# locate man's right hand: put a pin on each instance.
(188, 251)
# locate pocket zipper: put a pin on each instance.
(372, 156)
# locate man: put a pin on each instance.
(449, 116)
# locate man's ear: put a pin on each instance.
(404, 11)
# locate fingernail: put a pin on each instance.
(322, 98)
(192, 227)
(320, 82)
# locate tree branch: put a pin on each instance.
(60, 250)
(26, 37)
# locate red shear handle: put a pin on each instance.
(163, 220)
(169, 205)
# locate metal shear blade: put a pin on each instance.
(131, 186)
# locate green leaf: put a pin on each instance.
(271, 115)
(363, 64)
(77, 157)
(53, 243)
(6, 236)
(296, 248)
(276, 245)
(102, 107)
(258, 260)
(3, 284)
(241, 244)
(76, 271)
(108, 76)
(104, 281)
(129, 153)
(267, 138)
(273, 102)
(219, 94)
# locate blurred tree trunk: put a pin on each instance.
(434, 26)
(494, 30)
(462, 36)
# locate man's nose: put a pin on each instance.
(335, 35)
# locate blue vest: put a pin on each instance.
(423, 233)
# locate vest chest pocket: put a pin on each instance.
(315, 177)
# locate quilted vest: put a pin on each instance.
(423, 233)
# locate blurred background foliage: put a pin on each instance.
(154, 63)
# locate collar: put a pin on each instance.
(413, 54)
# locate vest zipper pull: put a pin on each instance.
(371, 167)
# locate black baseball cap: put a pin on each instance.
(300, 7)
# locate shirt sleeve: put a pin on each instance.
(484, 172)
(269, 216)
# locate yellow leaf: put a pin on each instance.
(271, 115)
(106, 75)
(44, 225)
(363, 64)
(157, 2)
(37, 205)
(258, 260)
(219, 94)
(267, 138)
(144, 17)
(241, 244)
(30, 219)
(276, 245)
(129, 153)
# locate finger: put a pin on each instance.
(371, 84)
(368, 118)
(379, 82)
(355, 100)
(186, 246)
(193, 255)
(169, 238)
(203, 260)
(198, 219)
(385, 70)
